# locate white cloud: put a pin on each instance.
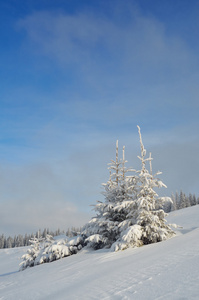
(122, 70)
(88, 39)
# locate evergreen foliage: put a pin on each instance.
(129, 216)
(182, 200)
(104, 229)
(145, 223)
(32, 253)
(50, 249)
(21, 241)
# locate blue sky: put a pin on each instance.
(75, 77)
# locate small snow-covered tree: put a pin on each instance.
(174, 205)
(32, 253)
(147, 224)
(182, 200)
(50, 249)
(177, 198)
(2, 241)
(194, 200)
(9, 242)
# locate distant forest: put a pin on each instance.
(180, 200)
(21, 241)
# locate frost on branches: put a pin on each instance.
(104, 229)
(130, 215)
(148, 222)
(50, 249)
(32, 253)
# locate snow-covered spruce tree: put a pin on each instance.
(148, 223)
(103, 230)
(174, 205)
(28, 259)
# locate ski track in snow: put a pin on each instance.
(162, 271)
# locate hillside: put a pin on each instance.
(166, 270)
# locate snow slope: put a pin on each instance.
(166, 270)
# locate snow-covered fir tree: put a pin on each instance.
(130, 215)
(103, 230)
(144, 223)
(32, 253)
(194, 201)
(182, 200)
(174, 204)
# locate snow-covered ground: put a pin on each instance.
(166, 270)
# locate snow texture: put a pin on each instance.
(160, 271)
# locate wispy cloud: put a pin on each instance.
(133, 68)
(84, 38)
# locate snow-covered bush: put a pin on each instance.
(60, 248)
(50, 250)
